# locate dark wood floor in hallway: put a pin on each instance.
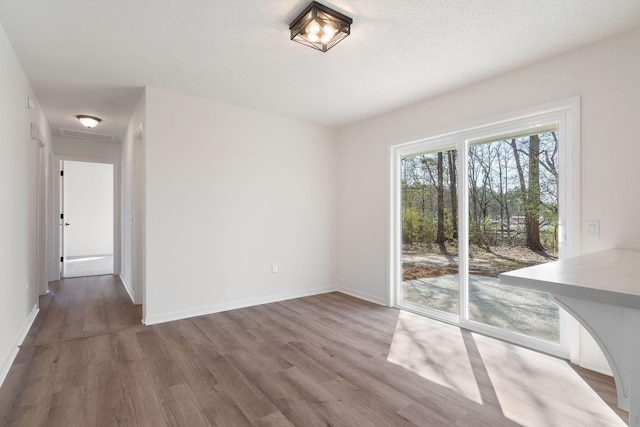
(82, 307)
(324, 360)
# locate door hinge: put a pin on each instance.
(61, 216)
(61, 259)
(61, 173)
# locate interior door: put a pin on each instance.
(87, 218)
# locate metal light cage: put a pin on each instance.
(320, 27)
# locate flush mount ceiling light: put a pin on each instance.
(320, 27)
(89, 121)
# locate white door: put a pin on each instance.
(87, 218)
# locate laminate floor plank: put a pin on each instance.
(224, 412)
(95, 318)
(365, 341)
(367, 315)
(164, 371)
(196, 374)
(107, 393)
(296, 358)
(336, 413)
(219, 335)
(341, 324)
(273, 330)
(182, 408)
(69, 408)
(141, 397)
(323, 360)
(293, 329)
(366, 404)
(13, 387)
(355, 376)
(253, 403)
(275, 420)
(292, 405)
(252, 364)
(80, 307)
(125, 344)
(339, 337)
(36, 415)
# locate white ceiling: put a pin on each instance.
(93, 57)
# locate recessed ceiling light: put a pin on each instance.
(89, 121)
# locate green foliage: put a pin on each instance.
(477, 234)
(417, 227)
(448, 224)
(422, 227)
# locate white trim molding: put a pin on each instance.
(362, 295)
(127, 288)
(201, 311)
(8, 362)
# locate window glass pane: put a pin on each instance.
(430, 231)
(513, 223)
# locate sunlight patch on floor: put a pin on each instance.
(81, 266)
(531, 388)
(85, 259)
(435, 351)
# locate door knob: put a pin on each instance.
(66, 223)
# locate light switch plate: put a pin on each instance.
(592, 228)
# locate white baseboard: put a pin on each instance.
(6, 365)
(596, 365)
(201, 311)
(362, 295)
(127, 287)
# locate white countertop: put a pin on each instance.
(611, 277)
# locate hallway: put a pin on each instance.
(82, 307)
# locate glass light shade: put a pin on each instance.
(320, 27)
(89, 121)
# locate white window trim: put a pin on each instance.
(566, 114)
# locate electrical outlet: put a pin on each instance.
(274, 267)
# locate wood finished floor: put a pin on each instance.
(315, 361)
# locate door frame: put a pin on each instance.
(138, 218)
(58, 159)
(567, 114)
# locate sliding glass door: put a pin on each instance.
(470, 206)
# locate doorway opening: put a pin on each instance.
(86, 219)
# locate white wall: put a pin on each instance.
(132, 200)
(85, 148)
(18, 189)
(605, 75)
(228, 191)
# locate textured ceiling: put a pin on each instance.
(93, 57)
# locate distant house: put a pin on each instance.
(517, 220)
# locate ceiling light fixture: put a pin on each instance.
(320, 27)
(89, 121)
